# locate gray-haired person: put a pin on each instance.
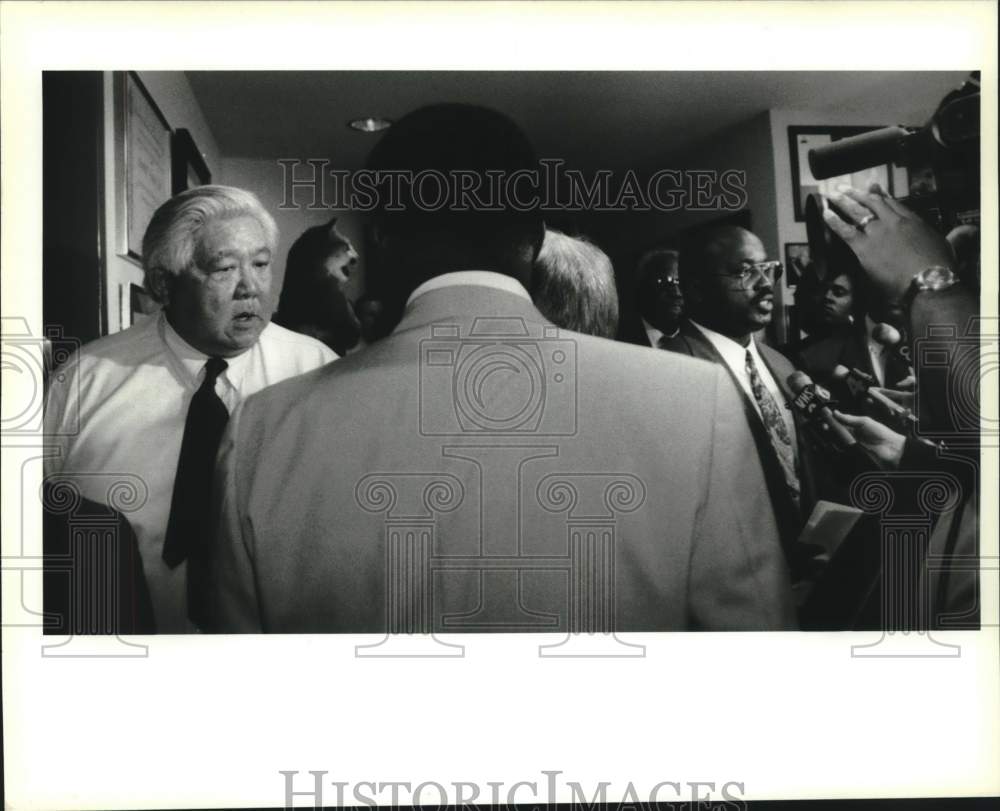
(573, 285)
(147, 405)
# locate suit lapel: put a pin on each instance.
(788, 515)
(780, 369)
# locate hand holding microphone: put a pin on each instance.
(860, 383)
(879, 440)
(891, 338)
(813, 404)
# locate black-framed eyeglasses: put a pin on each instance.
(748, 273)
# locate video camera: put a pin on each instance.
(942, 158)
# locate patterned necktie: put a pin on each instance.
(189, 508)
(777, 430)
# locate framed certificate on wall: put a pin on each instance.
(145, 160)
(801, 140)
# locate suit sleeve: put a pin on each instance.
(738, 576)
(233, 605)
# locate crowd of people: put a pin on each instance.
(440, 474)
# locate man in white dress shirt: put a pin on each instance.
(137, 396)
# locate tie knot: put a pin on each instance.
(749, 360)
(214, 367)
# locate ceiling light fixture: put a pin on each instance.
(369, 124)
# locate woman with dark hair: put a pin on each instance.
(312, 297)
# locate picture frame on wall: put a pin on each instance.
(797, 259)
(144, 153)
(189, 169)
(803, 138)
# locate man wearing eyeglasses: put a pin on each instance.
(728, 288)
(658, 298)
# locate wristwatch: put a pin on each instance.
(931, 279)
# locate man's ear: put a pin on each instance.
(158, 283)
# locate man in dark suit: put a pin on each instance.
(480, 470)
(658, 299)
(729, 292)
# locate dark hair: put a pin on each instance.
(311, 301)
(450, 138)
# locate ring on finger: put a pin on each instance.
(864, 221)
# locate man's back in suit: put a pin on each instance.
(343, 484)
(478, 471)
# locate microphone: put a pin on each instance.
(862, 384)
(892, 339)
(813, 402)
(847, 456)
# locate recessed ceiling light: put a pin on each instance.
(369, 124)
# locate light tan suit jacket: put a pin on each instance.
(479, 471)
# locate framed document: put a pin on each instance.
(146, 161)
(801, 140)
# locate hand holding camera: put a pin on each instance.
(891, 242)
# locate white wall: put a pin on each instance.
(265, 178)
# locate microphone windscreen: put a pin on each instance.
(797, 381)
(886, 334)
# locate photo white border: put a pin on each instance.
(210, 721)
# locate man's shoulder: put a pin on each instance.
(642, 369)
(775, 358)
(689, 340)
(127, 348)
(300, 352)
(276, 335)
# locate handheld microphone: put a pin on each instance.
(862, 384)
(847, 456)
(813, 402)
(892, 339)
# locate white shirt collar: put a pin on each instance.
(654, 334)
(478, 278)
(733, 352)
(192, 360)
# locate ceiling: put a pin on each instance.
(590, 119)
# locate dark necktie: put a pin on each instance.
(777, 430)
(189, 508)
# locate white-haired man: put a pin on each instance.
(573, 285)
(151, 401)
